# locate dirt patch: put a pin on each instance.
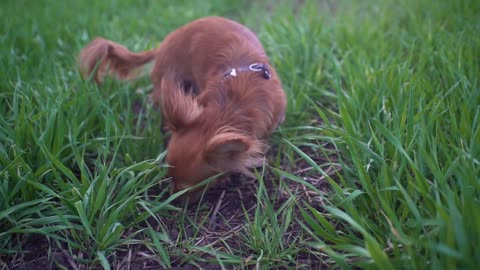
(36, 254)
(224, 211)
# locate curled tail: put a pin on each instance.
(104, 57)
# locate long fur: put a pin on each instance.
(218, 123)
(107, 57)
(178, 109)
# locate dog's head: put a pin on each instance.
(199, 149)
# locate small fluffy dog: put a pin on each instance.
(218, 92)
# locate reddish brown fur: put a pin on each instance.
(112, 58)
(223, 126)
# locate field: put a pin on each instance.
(377, 165)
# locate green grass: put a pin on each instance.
(378, 160)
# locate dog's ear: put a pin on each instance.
(226, 151)
(178, 109)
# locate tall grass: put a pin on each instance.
(406, 79)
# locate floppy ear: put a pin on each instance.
(227, 150)
(178, 109)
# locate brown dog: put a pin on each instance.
(237, 99)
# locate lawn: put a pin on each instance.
(377, 165)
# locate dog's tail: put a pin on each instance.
(103, 57)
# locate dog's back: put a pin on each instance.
(204, 48)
